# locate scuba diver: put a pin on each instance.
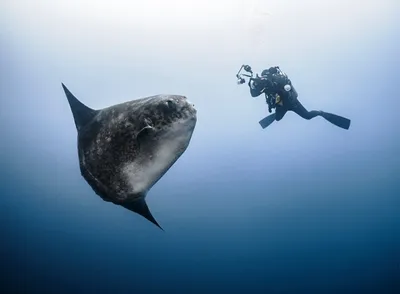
(282, 96)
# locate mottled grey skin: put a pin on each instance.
(126, 148)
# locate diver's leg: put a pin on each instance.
(298, 108)
(280, 112)
(337, 120)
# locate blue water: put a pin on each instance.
(300, 207)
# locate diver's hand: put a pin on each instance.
(253, 83)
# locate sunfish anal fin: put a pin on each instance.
(140, 207)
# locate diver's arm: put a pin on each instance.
(255, 89)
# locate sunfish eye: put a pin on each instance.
(163, 107)
(170, 104)
(169, 107)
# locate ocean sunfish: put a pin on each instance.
(125, 149)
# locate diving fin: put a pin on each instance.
(140, 207)
(266, 121)
(337, 120)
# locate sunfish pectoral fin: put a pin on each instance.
(140, 207)
(144, 136)
(82, 114)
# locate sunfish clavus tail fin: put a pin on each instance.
(82, 114)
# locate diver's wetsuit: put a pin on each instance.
(294, 105)
(290, 102)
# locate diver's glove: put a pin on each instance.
(253, 83)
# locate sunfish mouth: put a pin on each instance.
(189, 102)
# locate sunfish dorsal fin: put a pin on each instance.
(82, 114)
(140, 207)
